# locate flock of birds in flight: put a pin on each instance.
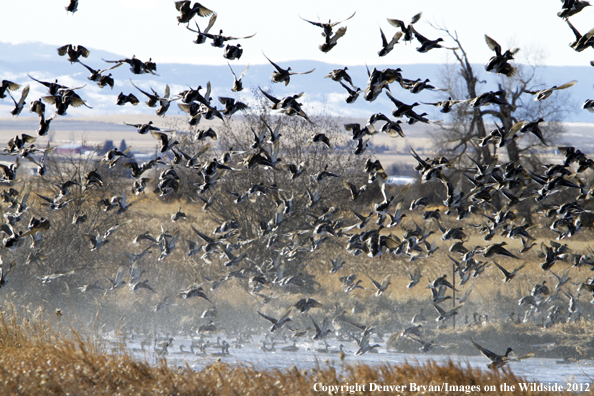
(510, 182)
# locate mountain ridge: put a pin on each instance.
(321, 94)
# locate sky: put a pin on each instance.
(148, 28)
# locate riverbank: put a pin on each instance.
(38, 356)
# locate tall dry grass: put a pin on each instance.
(38, 357)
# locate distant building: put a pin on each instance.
(74, 148)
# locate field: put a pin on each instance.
(70, 324)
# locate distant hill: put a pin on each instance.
(321, 94)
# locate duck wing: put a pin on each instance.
(211, 22)
(272, 320)
(395, 39)
(397, 23)
(227, 38)
(207, 94)
(77, 101)
(180, 4)
(319, 24)
(415, 18)
(64, 49)
(232, 72)
(161, 136)
(422, 39)
(526, 356)
(201, 10)
(490, 355)
(151, 96)
(272, 98)
(24, 95)
(398, 103)
(202, 236)
(243, 74)
(569, 84)
(192, 30)
(280, 69)
(338, 23)
(439, 309)
(348, 89)
(307, 72)
(96, 71)
(384, 40)
(506, 273)
(49, 200)
(339, 33)
(318, 331)
(577, 34)
(493, 45)
(10, 85)
(375, 283)
(117, 61)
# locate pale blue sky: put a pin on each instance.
(148, 28)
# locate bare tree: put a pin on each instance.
(467, 127)
(269, 202)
